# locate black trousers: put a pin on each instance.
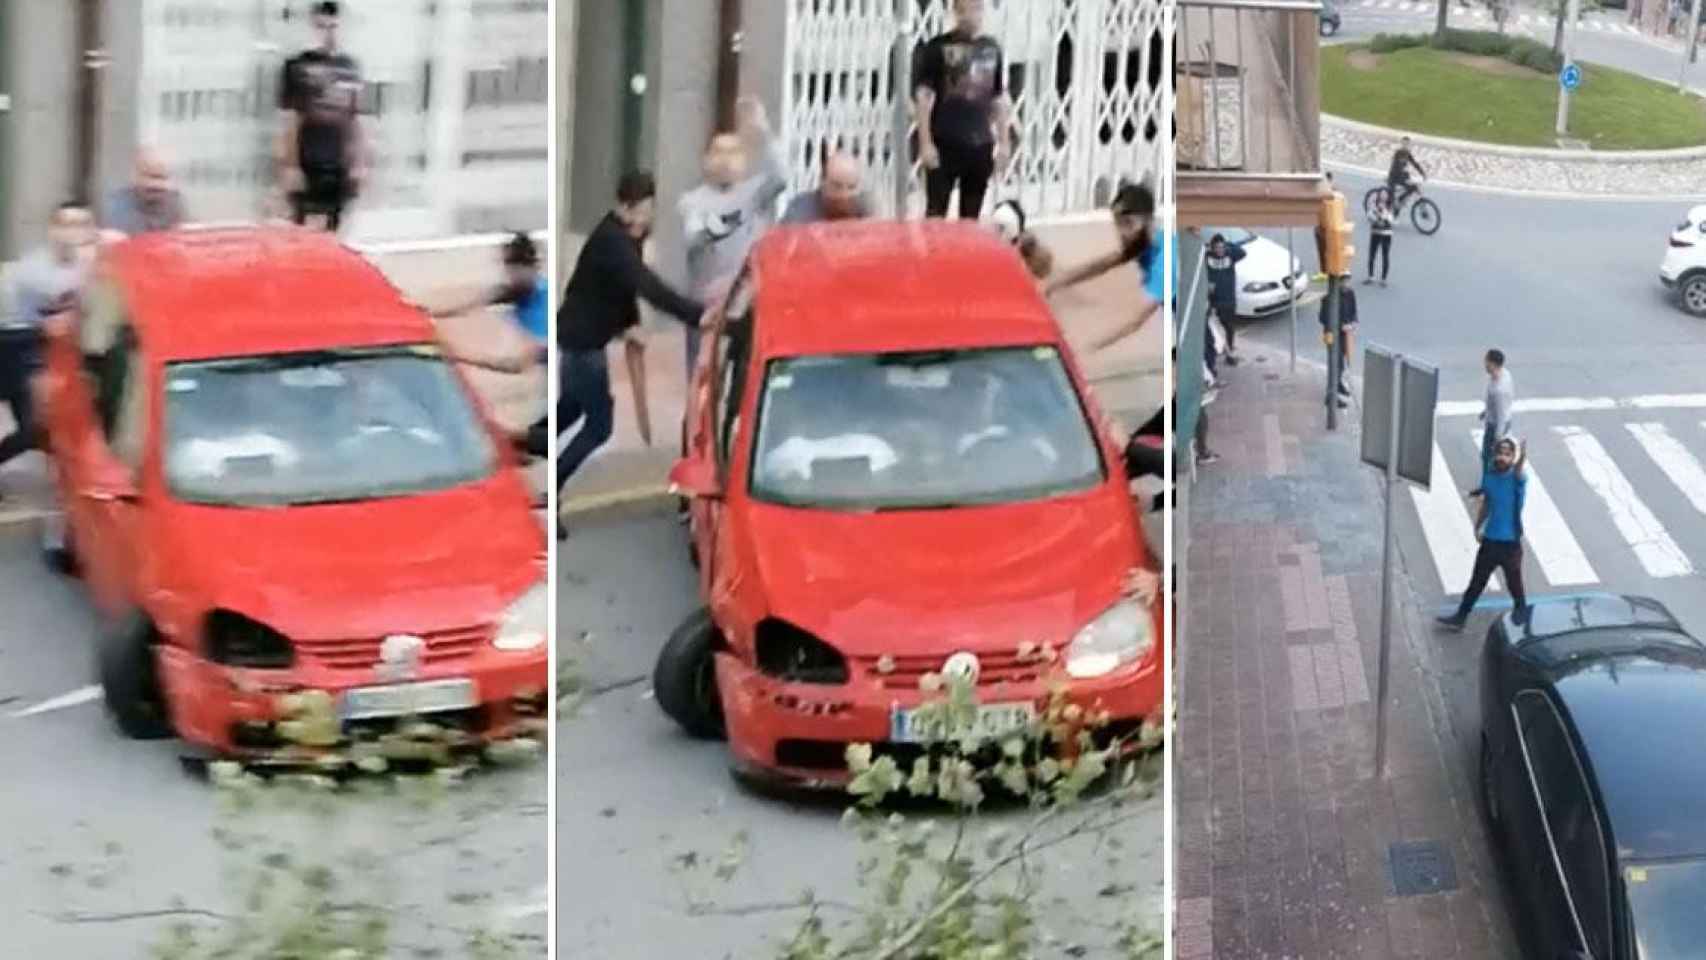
(967, 166)
(1501, 555)
(325, 193)
(20, 358)
(1380, 248)
(1228, 314)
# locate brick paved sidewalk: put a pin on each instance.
(1282, 833)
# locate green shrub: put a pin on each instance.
(1520, 50)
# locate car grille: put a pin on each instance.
(362, 653)
(995, 668)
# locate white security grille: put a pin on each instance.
(1086, 78)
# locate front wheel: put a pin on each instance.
(124, 661)
(685, 678)
(1368, 199)
(1691, 293)
(1328, 28)
(1424, 213)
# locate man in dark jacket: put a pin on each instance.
(601, 303)
(1347, 327)
(1221, 264)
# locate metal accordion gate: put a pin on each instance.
(1086, 78)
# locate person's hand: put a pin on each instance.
(1142, 585)
(750, 113)
(929, 156)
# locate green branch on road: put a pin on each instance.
(1484, 97)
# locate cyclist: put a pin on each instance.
(1399, 186)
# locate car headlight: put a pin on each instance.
(1260, 286)
(1119, 636)
(523, 625)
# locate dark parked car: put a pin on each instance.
(1329, 18)
(1593, 777)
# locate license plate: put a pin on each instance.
(991, 721)
(404, 699)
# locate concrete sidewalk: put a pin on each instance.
(1127, 378)
(1284, 838)
(433, 278)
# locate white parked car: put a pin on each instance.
(1684, 267)
(1265, 287)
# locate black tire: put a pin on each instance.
(1489, 797)
(1425, 217)
(57, 550)
(1691, 294)
(1368, 200)
(1328, 28)
(685, 678)
(124, 660)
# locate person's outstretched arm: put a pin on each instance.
(636, 275)
(1085, 271)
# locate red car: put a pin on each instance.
(273, 483)
(896, 468)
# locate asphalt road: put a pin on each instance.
(105, 838)
(635, 795)
(1598, 43)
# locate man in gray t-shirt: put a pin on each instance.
(839, 197)
(44, 283)
(723, 217)
(149, 203)
(1501, 398)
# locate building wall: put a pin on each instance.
(681, 109)
(38, 167)
(600, 87)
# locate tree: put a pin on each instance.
(1439, 25)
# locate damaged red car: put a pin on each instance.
(896, 470)
(297, 517)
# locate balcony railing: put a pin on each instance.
(1247, 81)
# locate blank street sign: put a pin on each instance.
(1420, 395)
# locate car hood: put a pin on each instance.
(927, 582)
(412, 564)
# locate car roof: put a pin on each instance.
(873, 286)
(1639, 716)
(204, 294)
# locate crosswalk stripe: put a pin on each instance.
(1447, 528)
(1673, 458)
(1560, 556)
(1658, 553)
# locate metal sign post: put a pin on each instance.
(1291, 258)
(1693, 46)
(1564, 85)
(1335, 369)
(1400, 395)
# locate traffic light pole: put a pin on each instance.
(1334, 367)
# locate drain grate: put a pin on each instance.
(1421, 867)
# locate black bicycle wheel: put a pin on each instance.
(1368, 200)
(1424, 214)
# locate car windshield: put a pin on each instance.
(921, 430)
(1664, 908)
(320, 427)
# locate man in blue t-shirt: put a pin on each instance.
(1504, 487)
(526, 293)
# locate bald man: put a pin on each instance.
(840, 196)
(149, 202)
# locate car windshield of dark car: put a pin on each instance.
(1664, 909)
(320, 427)
(920, 430)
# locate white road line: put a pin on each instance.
(1560, 556)
(74, 698)
(1658, 553)
(1673, 458)
(1655, 401)
(539, 902)
(1447, 528)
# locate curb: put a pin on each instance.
(628, 496)
(1379, 175)
(1547, 154)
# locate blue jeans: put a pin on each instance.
(583, 393)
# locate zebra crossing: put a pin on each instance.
(1524, 20)
(1616, 491)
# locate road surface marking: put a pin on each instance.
(1561, 558)
(1656, 401)
(537, 904)
(74, 698)
(1658, 553)
(1673, 458)
(1447, 527)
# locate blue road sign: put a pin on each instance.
(1571, 76)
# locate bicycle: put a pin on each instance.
(1424, 213)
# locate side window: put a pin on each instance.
(736, 353)
(1571, 817)
(112, 369)
(130, 427)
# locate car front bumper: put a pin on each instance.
(1269, 302)
(293, 714)
(797, 734)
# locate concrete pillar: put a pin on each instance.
(599, 88)
(681, 110)
(563, 125)
(117, 127)
(43, 61)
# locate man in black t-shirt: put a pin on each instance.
(960, 90)
(322, 149)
